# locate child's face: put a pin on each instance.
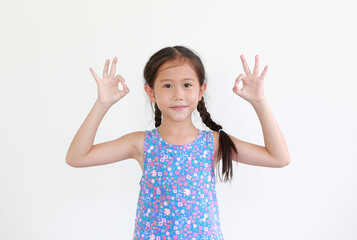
(176, 85)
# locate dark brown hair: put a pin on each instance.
(182, 55)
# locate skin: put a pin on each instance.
(172, 89)
(82, 152)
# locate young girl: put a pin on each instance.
(177, 197)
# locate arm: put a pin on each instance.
(81, 152)
(275, 153)
(84, 138)
(273, 138)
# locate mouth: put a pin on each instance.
(178, 108)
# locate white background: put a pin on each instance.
(46, 91)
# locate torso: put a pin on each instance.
(140, 148)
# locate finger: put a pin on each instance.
(256, 66)
(105, 70)
(96, 77)
(113, 69)
(125, 87)
(262, 76)
(245, 65)
(241, 77)
(118, 77)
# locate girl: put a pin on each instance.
(177, 197)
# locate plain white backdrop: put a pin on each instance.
(46, 91)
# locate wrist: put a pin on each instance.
(261, 101)
(102, 105)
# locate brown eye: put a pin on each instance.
(167, 85)
(188, 84)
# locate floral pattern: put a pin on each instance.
(177, 198)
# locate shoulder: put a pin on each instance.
(138, 140)
(216, 136)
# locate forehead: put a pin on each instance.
(176, 71)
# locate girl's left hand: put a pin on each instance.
(252, 89)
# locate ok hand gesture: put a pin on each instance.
(252, 89)
(108, 91)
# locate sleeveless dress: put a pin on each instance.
(177, 198)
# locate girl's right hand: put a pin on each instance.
(108, 91)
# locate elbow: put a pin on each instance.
(285, 162)
(71, 163)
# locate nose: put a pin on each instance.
(178, 94)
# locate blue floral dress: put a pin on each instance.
(177, 198)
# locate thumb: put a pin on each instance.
(236, 88)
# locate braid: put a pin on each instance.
(226, 144)
(157, 116)
(206, 117)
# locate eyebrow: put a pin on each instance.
(167, 79)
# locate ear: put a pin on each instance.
(202, 90)
(150, 92)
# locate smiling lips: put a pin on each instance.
(178, 108)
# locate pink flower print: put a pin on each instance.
(159, 174)
(158, 237)
(177, 172)
(187, 191)
(165, 203)
(194, 225)
(189, 177)
(206, 229)
(152, 237)
(206, 164)
(158, 191)
(180, 204)
(160, 224)
(209, 178)
(167, 211)
(153, 173)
